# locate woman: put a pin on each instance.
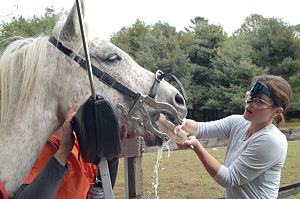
(60, 172)
(256, 148)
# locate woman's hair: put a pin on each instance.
(280, 89)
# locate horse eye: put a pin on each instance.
(113, 58)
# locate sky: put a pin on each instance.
(107, 17)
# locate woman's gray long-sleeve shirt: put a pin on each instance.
(252, 168)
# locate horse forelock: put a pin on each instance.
(20, 66)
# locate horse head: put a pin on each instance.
(119, 66)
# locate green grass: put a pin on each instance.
(182, 176)
(291, 124)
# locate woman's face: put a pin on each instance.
(260, 109)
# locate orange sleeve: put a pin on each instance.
(77, 179)
(3, 192)
(46, 154)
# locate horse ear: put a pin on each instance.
(70, 34)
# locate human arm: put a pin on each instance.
(46, 184)
(213, 129)
(254, 160)
(47, 181)
(211, 165)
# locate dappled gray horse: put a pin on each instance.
(39, 83)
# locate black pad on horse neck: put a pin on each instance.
(97, 130)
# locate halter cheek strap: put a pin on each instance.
(103, 76)
(159, 76)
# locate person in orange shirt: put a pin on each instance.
(60, 172)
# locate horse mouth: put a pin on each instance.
(172, 118)
(169, 116)
(157, 140)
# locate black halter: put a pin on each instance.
(159, 76)
(103, 76)
(138, 99)
(111, 81)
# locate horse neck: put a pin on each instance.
(21, 142)
(21, 146)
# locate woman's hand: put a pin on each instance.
(190, 142)
(67, 136)
(189, 126)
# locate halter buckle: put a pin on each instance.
(159, 75)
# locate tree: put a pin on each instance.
(231, 77)
(20, 26)
(274, 43)
(250, 25)
(207, 41)
(28, 27)
(132, 39)
(294, 81)
(276, 49)
(297, 28)
(206, 45)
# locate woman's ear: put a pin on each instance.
(277, 111)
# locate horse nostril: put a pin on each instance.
(179, 99)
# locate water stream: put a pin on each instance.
(156, 167)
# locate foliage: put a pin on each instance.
(22, 27)
(275, 41)
(232, 75)
(207, 41)
(276, 49)
(250, 25)
(131, 39)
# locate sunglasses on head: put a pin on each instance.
(256, 101)
(256, 90)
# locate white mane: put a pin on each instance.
(23, 61)
(20, 66)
